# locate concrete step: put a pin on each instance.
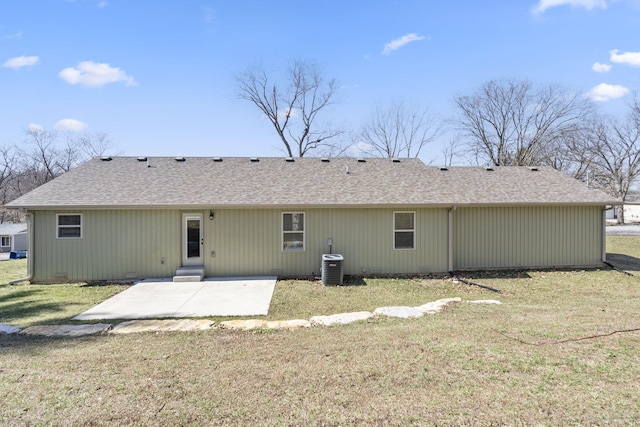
(189, 274)
(187, 278)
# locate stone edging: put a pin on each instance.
(172, 325)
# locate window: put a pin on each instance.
(404, 230)
(69, 226)
(6, 241)
(293, 231)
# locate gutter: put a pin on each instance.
(603, 235)
(30, 232)
(450, 238)
(235, 205)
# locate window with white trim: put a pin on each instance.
(6, 241)
(404, 230)
(69, 226)
(292, 231)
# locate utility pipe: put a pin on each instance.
(603, 226)
(450, 238)
(30, 233)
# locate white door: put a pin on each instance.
(192, 238)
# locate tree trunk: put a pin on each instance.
(620, 214)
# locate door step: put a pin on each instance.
(189, 274)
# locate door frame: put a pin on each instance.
(184, 250)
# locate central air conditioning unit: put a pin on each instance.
(332, 269)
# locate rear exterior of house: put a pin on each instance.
(237, 242)
(127, 218)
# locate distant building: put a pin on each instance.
(13, 237)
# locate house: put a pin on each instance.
(13, 237)
(133, 218)
(631, 209)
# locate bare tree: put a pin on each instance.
(614, 148)
(451, 151)
(93, 144)
(8, 162)
(43, 159)
(509, 122)
(293, 106)
(570, 153)
(400, 130)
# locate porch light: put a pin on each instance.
(211, 215)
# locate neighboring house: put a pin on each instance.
(631, 209)
(13, 237)
(132, 218)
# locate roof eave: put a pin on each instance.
(309, 206)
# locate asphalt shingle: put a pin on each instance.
(162, 182)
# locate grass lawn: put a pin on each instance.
(524, 362)
(23, 304)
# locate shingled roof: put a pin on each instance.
(192, 182)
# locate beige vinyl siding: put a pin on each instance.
(128, 244)
(250, 242)
(527, 237)
(120, 244)
(114, 245)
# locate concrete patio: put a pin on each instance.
(159, 298)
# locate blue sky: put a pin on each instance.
(159, 76)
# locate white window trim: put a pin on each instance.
(58, 226)
(283, 232)
(5, 237)
(403, 230)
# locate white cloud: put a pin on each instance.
(360, 148)
(543, 5)
(291, 113)
(21, 61)
(398, 43)
(629, 58)
(17, 35)
(92, 74)
(605, 92)
(601, 68)
(35, 127)
(70, 125)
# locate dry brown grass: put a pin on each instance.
(470, 365)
